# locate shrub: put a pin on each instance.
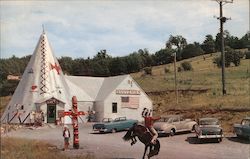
(236, 58)
(248, 55)
(180, 69)
(167, 70)
(186, 66)
(241, 54)
(232, 56)
(217, 61)
(148, 70)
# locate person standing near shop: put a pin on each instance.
(66, 135)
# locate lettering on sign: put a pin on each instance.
(52, 101)
(128, 92)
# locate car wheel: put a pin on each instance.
(219, 139)
(113, 131)
(172, 132)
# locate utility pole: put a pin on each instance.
(222, 20)
(175, 79)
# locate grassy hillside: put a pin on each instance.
(205, 75)
(230, 108)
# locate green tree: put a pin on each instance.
(192, 50)
(178, 43)
(100, 63)
(133, 62)
(218, 40)
(235, 43)
(67, 64)
(8, 87)
(146, 57)
(208, 44)
(102, 54)
(164, 56)
(117, 66)
(231, 41)
(100, 69)
(82, 67)
(245, 40)
(11, 66)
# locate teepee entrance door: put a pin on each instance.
(51, 113)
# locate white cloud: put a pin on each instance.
(81, 28)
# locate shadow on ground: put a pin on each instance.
(121, 158)
(195, 140)
(101, 133)
(240, 140)
(178, 133)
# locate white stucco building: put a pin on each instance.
(112, 96)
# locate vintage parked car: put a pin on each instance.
(209, 128)
(109, 125)
(243, 130)
(172, 124)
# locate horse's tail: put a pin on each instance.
(128, 135)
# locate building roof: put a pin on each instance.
(78, 92)
(109, 85)
(90, 85)
(98, 88)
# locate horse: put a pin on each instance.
(145, 137)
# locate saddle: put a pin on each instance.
(147, 130)
(147, 133)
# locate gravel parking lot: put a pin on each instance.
(181, 146)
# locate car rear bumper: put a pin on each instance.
(209, 136)
(100, 130)
(161, 132)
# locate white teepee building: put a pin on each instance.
(42, 87)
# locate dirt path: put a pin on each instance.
(182, 146)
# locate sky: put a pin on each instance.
(79, 29)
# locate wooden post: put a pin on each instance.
(223, 20)
(175, 79)
(74, 116)
(75, 122)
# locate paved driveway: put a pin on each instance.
(182, 146)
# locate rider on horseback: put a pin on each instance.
(149, 120)
(146, 134)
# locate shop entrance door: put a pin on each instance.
(51, 113)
